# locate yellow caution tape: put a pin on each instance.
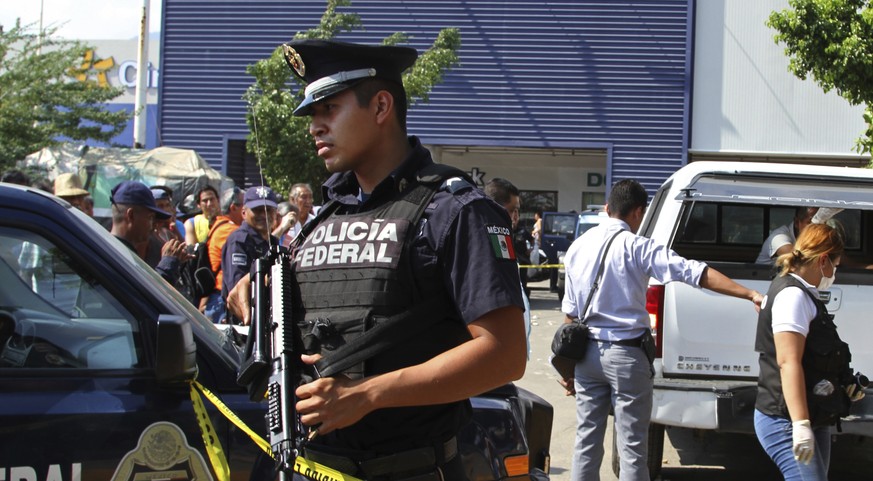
(302, 466)
(210, 438)
(233, 418)
(320, 472)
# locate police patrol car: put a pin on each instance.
(99, 358)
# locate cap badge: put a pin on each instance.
(293, 59)
(262, 192)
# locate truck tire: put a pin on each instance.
(655, 454)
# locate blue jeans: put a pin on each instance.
(215, 308)
(774, 434)
(621, 376)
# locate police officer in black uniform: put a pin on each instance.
(250, 241)
(401, 242)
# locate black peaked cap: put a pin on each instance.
(329, 67)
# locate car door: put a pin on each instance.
(78, 395)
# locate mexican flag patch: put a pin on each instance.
(501, 242)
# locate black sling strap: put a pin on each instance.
(596, 284)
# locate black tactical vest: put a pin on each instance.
(355, 276)
(825, 360)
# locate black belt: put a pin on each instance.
(635, 342)
(411, 462)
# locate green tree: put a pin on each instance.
(832, 41)
(43, 96)
(280, 140)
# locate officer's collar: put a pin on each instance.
(343, 186)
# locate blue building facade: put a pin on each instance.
(605, 83)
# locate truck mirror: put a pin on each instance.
(176, 356)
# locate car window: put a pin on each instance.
(53, 314)
(563, 225)
(735, 232)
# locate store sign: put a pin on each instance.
(595, 179)
(127, 73)
(106, 72)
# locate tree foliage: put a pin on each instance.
(280, 140)
(832, 42)
(41, 98)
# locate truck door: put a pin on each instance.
(78, 396)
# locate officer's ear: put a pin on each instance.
(383, 103)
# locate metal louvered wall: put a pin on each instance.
(532, 74)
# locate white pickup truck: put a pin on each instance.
(721, 213)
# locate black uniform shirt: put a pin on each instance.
(243, 246)
(464, 236)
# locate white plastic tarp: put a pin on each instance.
(101, 169)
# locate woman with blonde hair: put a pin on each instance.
(805, 383)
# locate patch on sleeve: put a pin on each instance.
(239, 259)
(501, 241)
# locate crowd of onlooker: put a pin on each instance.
(203, 249)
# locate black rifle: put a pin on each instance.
(276, 373)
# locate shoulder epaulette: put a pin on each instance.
(455, 185)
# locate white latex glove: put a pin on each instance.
(803, 441)
(855, 392)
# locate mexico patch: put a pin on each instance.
(501, 241)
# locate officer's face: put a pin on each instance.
(260, 218)
(344, 132)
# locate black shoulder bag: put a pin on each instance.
(571, 339)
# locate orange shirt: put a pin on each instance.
(216, 242)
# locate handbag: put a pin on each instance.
(571, 339)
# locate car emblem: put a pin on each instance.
(293, 59)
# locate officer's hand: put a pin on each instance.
(803, 441)
(330, 403)
(239, 300)
(175, 248)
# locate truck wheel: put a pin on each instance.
(655, 455)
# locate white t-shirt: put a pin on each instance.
(779, 237)
(793, 310)
(299, 226)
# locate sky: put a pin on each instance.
(84, 19)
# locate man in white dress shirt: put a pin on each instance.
(615, 370)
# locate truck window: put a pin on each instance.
(53, 314)
(729, 232)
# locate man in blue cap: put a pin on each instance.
(133, 214)
(248, 242)
(396, 239)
